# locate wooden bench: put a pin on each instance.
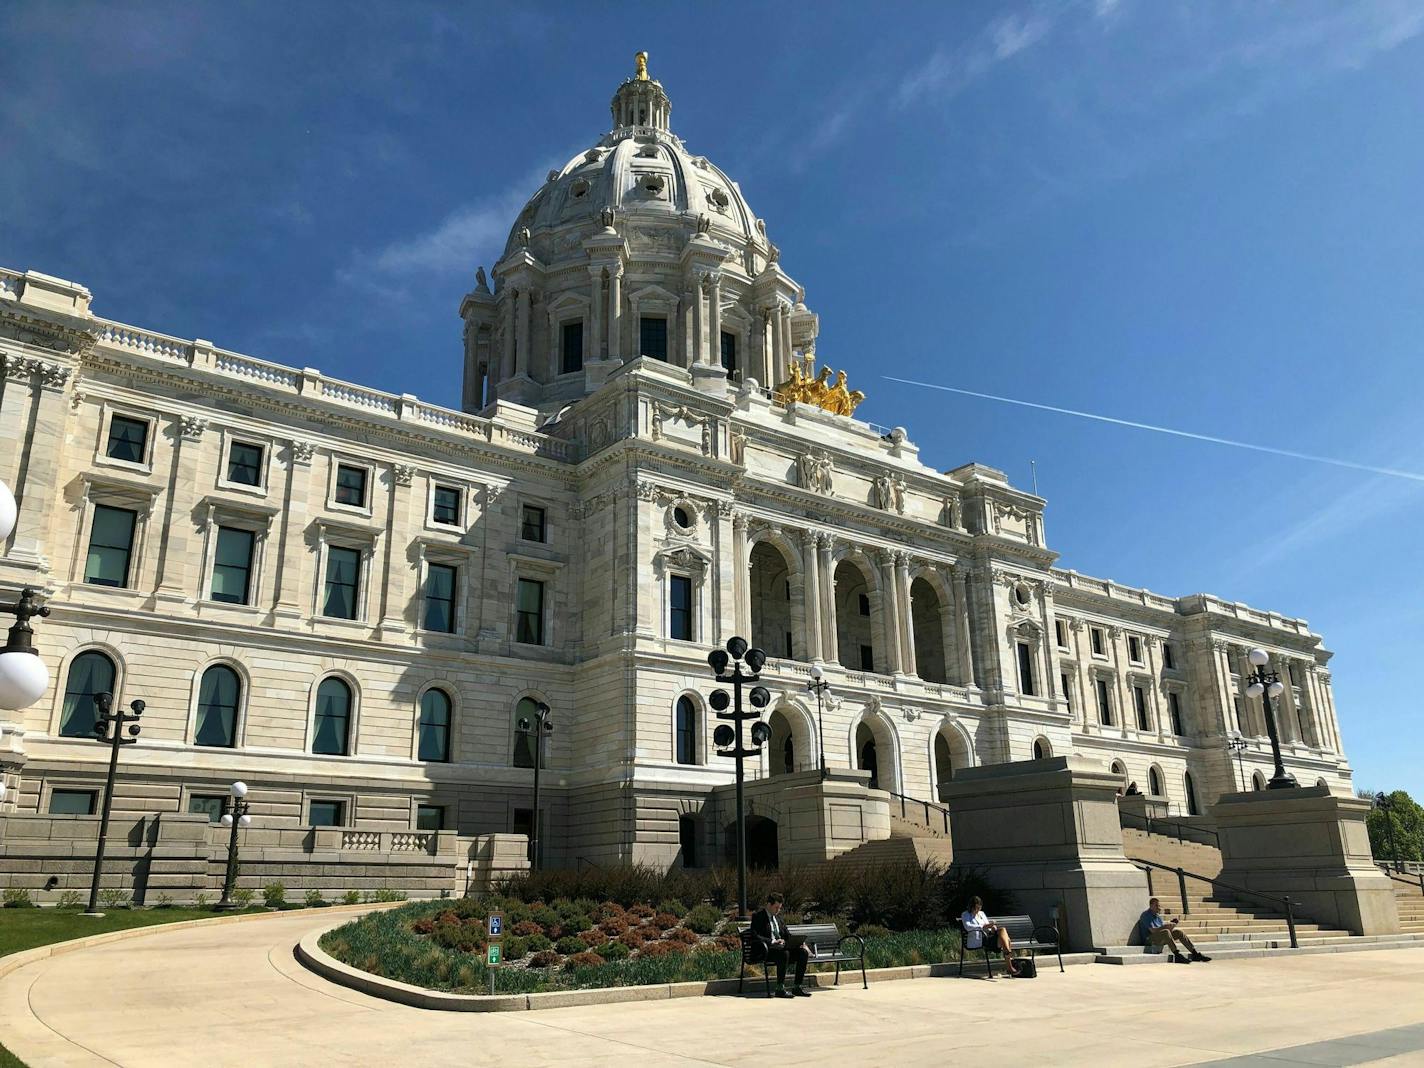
(1022, 933)
(826, 943)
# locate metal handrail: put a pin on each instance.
(1180, 831)
(906, 801)
(1399, 876)
(1183, 875)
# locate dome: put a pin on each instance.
(642, 172)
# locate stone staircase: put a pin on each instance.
(895, 849)
(1410, 899)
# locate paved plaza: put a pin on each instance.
(234, 995)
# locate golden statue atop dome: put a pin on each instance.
(805, 386)
(642, 60)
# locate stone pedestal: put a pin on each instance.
(815, 820)
(1047, 831)
(1311, 846)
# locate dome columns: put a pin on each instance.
(479, 312)
(702, 263)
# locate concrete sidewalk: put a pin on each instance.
(235, 995)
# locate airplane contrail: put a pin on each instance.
(1393, 472)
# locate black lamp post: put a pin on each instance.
(1235, 743)
(1385, 803)
(234, 817)
(112, 724)
(1265, 685)
(541, 726)
(738, 655)
(820, 687)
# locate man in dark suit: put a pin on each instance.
(778, 949)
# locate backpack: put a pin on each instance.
(1028, 968)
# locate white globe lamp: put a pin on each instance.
(23, 679)
(8, 511)
(238, 789)
(226, 820)
(1258, 657)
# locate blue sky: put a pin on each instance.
(1200, 215)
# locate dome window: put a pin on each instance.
(579, 189)
(719, 200)
(653, 184)
(648, 151)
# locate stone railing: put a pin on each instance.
(356, 841)
(230, 363)
(132, 339)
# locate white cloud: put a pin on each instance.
(949, 71)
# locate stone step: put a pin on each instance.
(1219, 951)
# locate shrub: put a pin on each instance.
(583, 960)
(614, 926)
(274, 895)
(872, 930)
(243, 897)
(661, 949)
(201, 901)
(683, 935)
(641, 910)
(424, 926)
(538, 943)
(609, 910)
(729, 943)
(313, 899)
(703, 919)
(544, 916)
(388, 895)
(676, 907)
(163, 901)
(17, 897)
(515, 947)
(70, 899)
(570, 944)
(663, 921)
(577, 922)
(593, 938)
(546, 958)
(351, 897)
(633, 937)
(461, 936)
(614, 951)
(115, 899)
(526, 928)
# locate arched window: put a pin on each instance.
(90, 674)
(687, 840)
(525, 711)
(1192, 808)
(1154, 782)
(1258, 781)
(686, 731)
(434, 726)
(332, 733)
(1120, 770)
(1041, 749)
(218, 696)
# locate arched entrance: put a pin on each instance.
(769, 585)
(927, 616)
(951, 754)
(867, 755)
(781, 751)
(855, 641)
(762, 850)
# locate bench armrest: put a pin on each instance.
(1051, 932)
(846, 938)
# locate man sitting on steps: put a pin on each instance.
(1159, 932)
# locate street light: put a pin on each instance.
(542, 725)
(1385, 803)
(110, 723)
(736, 655)
(1265, 685)
(23, 675)
(820, 687)
(234, 816)
(1235, 743)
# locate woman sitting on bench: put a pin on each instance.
(978, 927)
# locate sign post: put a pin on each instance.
(494, 926)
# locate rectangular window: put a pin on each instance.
(327, 814)
(729, 354)
(1291, 673)
(1060, 628)
(788, 646)
(1067, 691)
(343, 582)
(652, 338)
(529, 612)
(1139, 701)
(244, 464)
(1134, 648)
(687, 840)
(232, 565)
(429, 817)
(440, 598)
(1174, 709)
(1169, 659)
(445, 506)
(867, 658)
(524, 824)
(531, 523)
(72, 802)
(351, 485)
(1096, 634)
(680, 608)
(110, 546)
(128, 439)
(1105, 716)
(1026, 669)
(210, 805)
(1236, 709)
(571, 347)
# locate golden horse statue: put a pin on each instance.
(804, 386)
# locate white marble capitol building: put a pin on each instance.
(349, 599)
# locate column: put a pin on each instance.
(615, 311)
(1311, 690)
(14, 418)
(1083, 676)
(742, 611)
(697, 313)
(811, 591)
(1050, 640)
(507, 361)
(907, 624)
(176, 555)
(293, 551)
(521, 332)
(825, 545)
(964, 648)
(35, 495)
(889, 610)
(714, 320)
(400, 572)
(1286, 721)
(1126, 707)
(597, 346)
(687, 343)
(1159, 713)
(784, 327)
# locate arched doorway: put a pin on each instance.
(927, 617)
(867, 755)
(855, 641)
(769, 585)
(1041, 749)
(951, 754)
(1258, 781)
(762, 849)
(1193, 809)
(781, 750)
